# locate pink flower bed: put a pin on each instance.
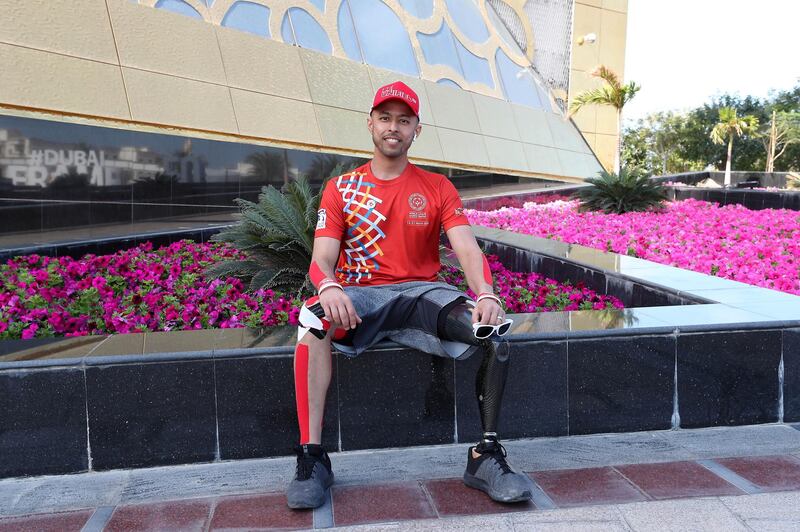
(142, 289)
(756, 247)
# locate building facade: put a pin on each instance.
(109, 108)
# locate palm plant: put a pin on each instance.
(620, 193)
(277, 236)
(612, 93)
(731, 125)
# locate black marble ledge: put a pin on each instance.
(791, 375)
(280, 341)
(729, 378)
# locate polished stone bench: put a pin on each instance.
(708, 352)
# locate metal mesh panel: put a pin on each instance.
(511, 21)
(551, 22)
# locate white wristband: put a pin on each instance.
(325, 286)
(489, 296)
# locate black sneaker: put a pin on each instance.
(490, 472)
(312, 478)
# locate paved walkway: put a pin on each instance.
(738, 478)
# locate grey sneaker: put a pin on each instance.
(491, 473)
(312, 478)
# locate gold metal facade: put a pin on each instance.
(138, 65)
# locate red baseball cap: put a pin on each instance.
(397, 91)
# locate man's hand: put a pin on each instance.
(339, 308)
(487, 312)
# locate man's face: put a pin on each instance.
(393, 126)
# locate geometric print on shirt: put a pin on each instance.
(363, 227)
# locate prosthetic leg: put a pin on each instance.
(455, 324)
(487, 469)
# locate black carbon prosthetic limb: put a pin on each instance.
(489, 385)
(455, 324)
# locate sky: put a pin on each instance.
(684, 52)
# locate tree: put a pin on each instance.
(612, 93)
(781, 132)
(655, 145)
(731, 125)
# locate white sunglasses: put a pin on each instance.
(484, 330)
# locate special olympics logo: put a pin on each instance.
(417, 201)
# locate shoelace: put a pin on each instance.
(305, 467)
(499, 454)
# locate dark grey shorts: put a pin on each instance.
(406, 313)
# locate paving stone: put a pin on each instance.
(452, 497)
(54, 522)
(673, 480)
(174, 515)
(766, 506)
(10, 492)
(354, 505)
(772, 525)
(770, 473)
(455, 524)
(588, 518)
(722, 442)
(203, 480)
(258, 512)
(595, 450)
(582, 487)
(572, 526)
(69, 492)
(681, 516)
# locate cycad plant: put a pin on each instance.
(276, 235)
(621, 193)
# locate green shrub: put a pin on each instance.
(277, 236)
(621, 193)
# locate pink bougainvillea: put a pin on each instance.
(756, 247)
(142, 289)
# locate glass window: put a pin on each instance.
(383, 37)
(476, 69)
(320, 4)
(209, 3)
(177, 6)
(307, 31)
(449, 82)
(418, 8)
(347, 33)
(468, 18)
(517, 81)
(249, 17)
(439, 49)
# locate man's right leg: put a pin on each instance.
(312, 376)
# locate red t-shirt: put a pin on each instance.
(389, 229)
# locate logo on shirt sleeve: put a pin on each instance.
(322, 219)
(459, 211)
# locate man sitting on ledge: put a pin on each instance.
(374, 265)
